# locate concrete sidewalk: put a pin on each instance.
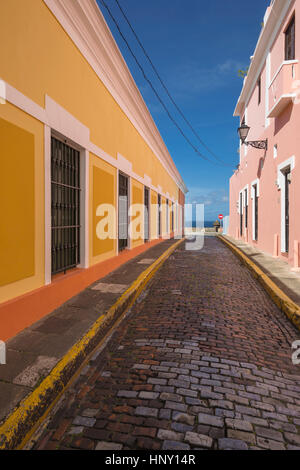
(34, 352)
(277, 270)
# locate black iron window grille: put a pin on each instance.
(65, 206)
(146, 215)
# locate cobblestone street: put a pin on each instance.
(202, 361)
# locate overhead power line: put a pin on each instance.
(166, 89)
(152, 87)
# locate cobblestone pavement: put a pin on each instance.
(203, 360)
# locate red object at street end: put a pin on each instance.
(221, 216)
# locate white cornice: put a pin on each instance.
(84, 23)
(275, 19)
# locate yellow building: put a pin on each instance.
(76, 139)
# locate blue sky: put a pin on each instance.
(197, 47)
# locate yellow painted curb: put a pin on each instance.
(21, 423)
(290, 308)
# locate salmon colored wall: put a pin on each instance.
(282, 131)
(278, 46)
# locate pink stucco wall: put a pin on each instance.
(283, 131)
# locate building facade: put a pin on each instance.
(265, 188)
(77, 144)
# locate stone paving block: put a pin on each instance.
(255, 420)
(108, 446)
(262, 406)
(239, 424)
(182, 428)
(183, 418)
(186, 392)
(224, 413)
(292, 438)
(75, 430)
(210, 420)
(155, 381)
(247, 410)
(164, 388)
(196, 439)
(175, 406)
(165, 434)
(84, 421)
(146, 411)
(165, 414)
(231, 444)
(275, 416)
(188, 378)
(268, 444)
(149, 395)
(242, 435)
(227, 405)
(210, 395)
(171, 397)
(175, 445)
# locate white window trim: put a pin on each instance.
(254, 183)
(84, 201)
(246, 188)
(268, 79)
(47, 156)
(246, 122)
(290, 162)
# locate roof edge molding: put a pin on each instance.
(268, 35)
(85, 25)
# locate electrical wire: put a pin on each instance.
(166, 89)
(153, 89)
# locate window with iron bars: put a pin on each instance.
(65, 206)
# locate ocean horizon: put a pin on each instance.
(207, 223)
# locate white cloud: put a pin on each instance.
(215, 200)
(191, 77)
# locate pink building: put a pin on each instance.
(265, 189)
